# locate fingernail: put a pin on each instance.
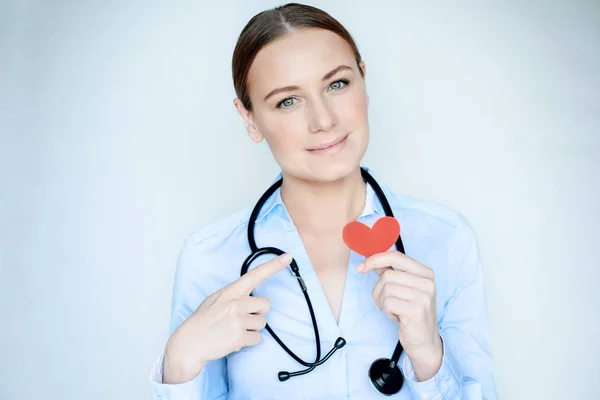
(285, 258)
(361, 267)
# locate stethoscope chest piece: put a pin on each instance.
(385, 376)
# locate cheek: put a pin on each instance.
(283, 134)
(352, 110)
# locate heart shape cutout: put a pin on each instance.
(368, 241)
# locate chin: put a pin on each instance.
(327, 169)
(332, 171)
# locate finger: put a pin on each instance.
(395, 306)
(254, 305)
(251, 338)
(398, 261)
(402, 278)
(397, 291)
(381, 271)
(393, 316)
(249, 281)
(254, 322)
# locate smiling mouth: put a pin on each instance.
(326, 147)
(332, 149)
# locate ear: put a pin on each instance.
(246, 115)
(363, 67)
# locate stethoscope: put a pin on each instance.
(384, 373)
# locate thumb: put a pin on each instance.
(380, 271)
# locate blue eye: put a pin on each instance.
(289, 101)
(344, 81)
(285, 101)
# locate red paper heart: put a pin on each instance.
(368, 241)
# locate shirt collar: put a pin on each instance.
(274, 204)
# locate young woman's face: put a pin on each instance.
(310, 104)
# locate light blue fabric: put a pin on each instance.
(433, 234)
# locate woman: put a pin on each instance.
(300, 84)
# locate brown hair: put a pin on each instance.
(271, 25)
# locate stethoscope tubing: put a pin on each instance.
(256, 252)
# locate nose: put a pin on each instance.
(320, 115)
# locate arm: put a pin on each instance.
(466, 371)
(211, 382)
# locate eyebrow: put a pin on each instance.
(291, 88)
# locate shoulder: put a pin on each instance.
(218, 231)
(432, 217)
(211, 257)
(438, 234)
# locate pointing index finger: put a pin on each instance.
(250, 280)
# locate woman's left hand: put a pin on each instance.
(406, 292)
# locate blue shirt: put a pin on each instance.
(433, 234)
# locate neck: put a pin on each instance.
(324, 207)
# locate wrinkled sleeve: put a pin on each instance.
(188, 294)
(467, 372)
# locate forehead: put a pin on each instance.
(300, 57)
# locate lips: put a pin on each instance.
(329, 144)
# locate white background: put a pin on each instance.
(119, 138)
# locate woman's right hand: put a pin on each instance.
(226, 321)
